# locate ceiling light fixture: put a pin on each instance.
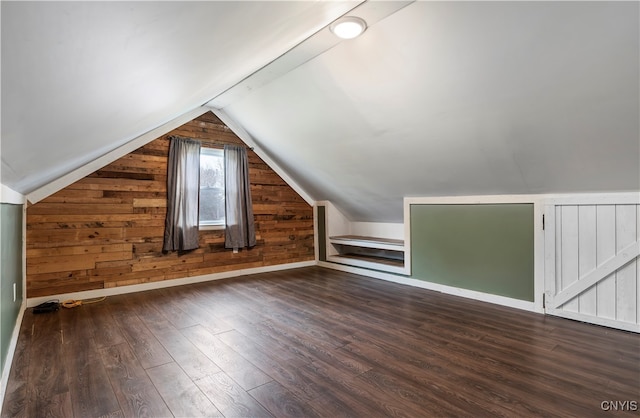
(348, 27)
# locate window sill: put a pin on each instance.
(211, 227)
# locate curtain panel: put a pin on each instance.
(240, 225)
(183, 191)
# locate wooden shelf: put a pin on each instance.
(383, 254)
(368, 242)
(369, 262)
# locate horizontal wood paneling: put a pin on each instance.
(106, 229)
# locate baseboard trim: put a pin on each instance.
(90, 294)
(12, 350)
(470, 294)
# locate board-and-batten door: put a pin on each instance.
(592, 270)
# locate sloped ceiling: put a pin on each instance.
(82, 78)
(439, 98)
(457, 98)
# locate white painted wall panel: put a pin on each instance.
(569, 250)
(605, 249)
(626, 276)
(587, 259)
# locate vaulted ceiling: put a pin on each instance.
(434, 99)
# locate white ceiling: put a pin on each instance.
(437, 99)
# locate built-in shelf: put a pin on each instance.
(375, 253)
(369, 242)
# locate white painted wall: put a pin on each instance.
(378, 229)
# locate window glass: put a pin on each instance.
(211, 187)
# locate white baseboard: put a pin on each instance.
(470, 294)
(98, 293)
(12, 350)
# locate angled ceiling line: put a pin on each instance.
(314, 45)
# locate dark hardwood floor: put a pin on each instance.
(314, 342)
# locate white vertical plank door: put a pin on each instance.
(592, 271)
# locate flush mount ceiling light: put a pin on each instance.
(348, 27)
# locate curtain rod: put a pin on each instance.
(214, 144)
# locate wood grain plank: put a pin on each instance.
(246, 374)
(105, 330)
(48, 393)
(282, 403)
(136, 394)
(230, 399)
(91, 394)
(180, 393)
(16, 395)
(144, 344)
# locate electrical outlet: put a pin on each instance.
(14, 292)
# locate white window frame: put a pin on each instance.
(208, 226)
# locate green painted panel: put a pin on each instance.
(322, 234)
(10, 273)
(486, 248)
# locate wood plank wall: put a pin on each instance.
(106, 230)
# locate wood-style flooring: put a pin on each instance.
(315, 342)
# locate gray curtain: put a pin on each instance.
(240, 229)
(183, 191)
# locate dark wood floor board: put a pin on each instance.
(301, 322)
(345, 386)
(200, 309)
(145, 345)
(281, 402)
(463, 363)
(182, 395)
(193, 361)
(626, 346)
(333, 329)
(517, 357)
(230, 398)
(15, 403)
(315, 342)
(493, 349)
(136, 394)
(91, 392)
(411, 395)
(274, 362)
(432, 369)
(77, 325)
(51, 405)
(169, 306)
(310, 348)
(48, 392)
(461, 388)
(249, 339)
(106, 331)
(261, 291)
(242, 371)
(141, 305)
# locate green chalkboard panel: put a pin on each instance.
(10, 273)
(486, 248)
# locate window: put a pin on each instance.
(211, 187)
